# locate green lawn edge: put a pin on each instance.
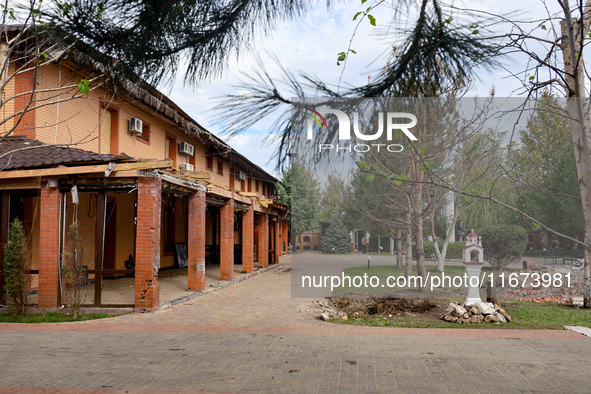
(51, 317)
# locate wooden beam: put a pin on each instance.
(145, 165)
(181, 181)
(116, 174)
(20, 184)
(199, 175)
(215, 190)
(249, 194)
(258, 207)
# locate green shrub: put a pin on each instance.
(384, 242)
(454, 249)
(16, 279)
(503, 244)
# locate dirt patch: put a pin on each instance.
(387, 307)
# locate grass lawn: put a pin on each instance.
(53, 317)
(525, 315)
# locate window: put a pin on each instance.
(256, 186)
(209, 163)
(249, 185)
(105, 141)
(192, 160)
(232, 176)
(220, 167)
(306, 238)
(109, 129)
(264, 190)
(242, 185)
(170, 149)
(145, 136)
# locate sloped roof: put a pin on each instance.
(19, 152)
(159, 102)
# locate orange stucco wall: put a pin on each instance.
(78, 122)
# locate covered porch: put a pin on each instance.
(151, 233)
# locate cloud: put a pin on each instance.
(311, 43)
(250, 144)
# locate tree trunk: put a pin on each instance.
(580, 129)
(399, 248)
(440, 256)
(408, 268)
(408, 220)
(419, 231)
(450, 233)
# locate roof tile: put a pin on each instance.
(25, 153)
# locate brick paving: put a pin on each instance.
(253, 337)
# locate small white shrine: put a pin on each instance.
(473, 251)
(473, 259)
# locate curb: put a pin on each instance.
(85, 310)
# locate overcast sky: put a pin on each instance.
(311, 44)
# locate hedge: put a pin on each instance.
(454, 249)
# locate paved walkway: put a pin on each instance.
(253, 337)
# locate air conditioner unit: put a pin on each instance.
(187, 167)
(241, 176)
(136, 126)
(186, 149)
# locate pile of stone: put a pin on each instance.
(328, 312)
(476, 313)
(533, 290)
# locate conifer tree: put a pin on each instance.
(336, 238)
(15, 268)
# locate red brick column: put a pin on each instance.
(227, 241)
(49, 246)
(263, 246)
(277, 240)
(286, 236)
(248, 240)
(147, 247)
(281, 237)
(196, 244)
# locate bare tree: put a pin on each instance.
(555, 48)
(73, 273)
